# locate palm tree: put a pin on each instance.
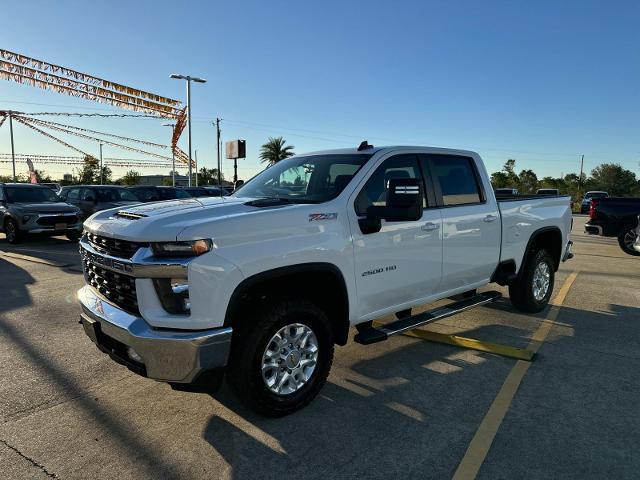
(274, 150)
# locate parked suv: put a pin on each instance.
(27, 208)
(93, 198)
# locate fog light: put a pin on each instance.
(173, 294)
(133, 355)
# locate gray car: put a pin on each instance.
(93, 198)
(32, 209)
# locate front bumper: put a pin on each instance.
(176, 356)
(568, 253)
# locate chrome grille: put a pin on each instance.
(113, 246)
(119, 288)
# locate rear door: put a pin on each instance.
(402, 262)
(470, 221)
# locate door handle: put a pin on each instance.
(430, 227)
(490, 218)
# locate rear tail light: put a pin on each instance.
(592, 209)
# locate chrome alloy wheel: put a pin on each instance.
(630, 238)
(290, 359)
(541, 281)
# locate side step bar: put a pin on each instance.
(378, 334)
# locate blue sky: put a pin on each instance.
(541, 82)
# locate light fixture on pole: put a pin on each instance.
(188, 79)
(173, 155)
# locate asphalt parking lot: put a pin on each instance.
(402, 408)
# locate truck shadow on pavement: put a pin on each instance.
(410, 408)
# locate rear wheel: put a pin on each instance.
(532, 290)
(626, 237)
(281, 359)
(12, 232)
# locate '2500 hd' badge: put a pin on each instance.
(316, 217)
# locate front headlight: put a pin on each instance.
(191, 248)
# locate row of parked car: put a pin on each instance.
(38, 209)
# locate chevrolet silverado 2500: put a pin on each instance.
(259, 286)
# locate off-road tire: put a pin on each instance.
(521, 291)
(248, 345)
(622, 240)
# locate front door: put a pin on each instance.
(402, 262)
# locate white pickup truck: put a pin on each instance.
(259, 286)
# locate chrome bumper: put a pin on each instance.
(568, 253)
(165, 355)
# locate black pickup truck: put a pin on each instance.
(615, 217)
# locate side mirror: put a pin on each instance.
(404, 204)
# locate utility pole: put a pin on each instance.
(580, 177)
(218, 149)
(13, 153)
(196, 155)
(101, 179)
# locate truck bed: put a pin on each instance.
(524, 215)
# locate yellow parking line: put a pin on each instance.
(472, 343)
(482, 440)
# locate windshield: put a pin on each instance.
(305, 179)
(31, 195)
(115, 195)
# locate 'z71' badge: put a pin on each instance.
(316, 217)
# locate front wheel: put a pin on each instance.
(12, 231)
(280, 360)
(532, 290)
(626, 237)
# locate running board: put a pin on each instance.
(378, 334)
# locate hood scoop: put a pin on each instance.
(130, 215)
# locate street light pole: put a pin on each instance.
(13, 154)
(188, 79)
(196, 155)
(101, 179)
(173, 155)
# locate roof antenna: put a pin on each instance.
(364, 146)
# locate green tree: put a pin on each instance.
(500, 180)
(42, 177)
(106, 176)
(89, 171)
(613, 178)
(275, 150)
(509, 169)
(130, 178)
(208, 176)
(527, 182)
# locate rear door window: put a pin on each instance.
(457, 179)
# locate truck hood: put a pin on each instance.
(164, 221)
(57, 207)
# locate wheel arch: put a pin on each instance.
(315, 281)
(549, 238)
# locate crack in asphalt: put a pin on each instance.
(30, 460)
